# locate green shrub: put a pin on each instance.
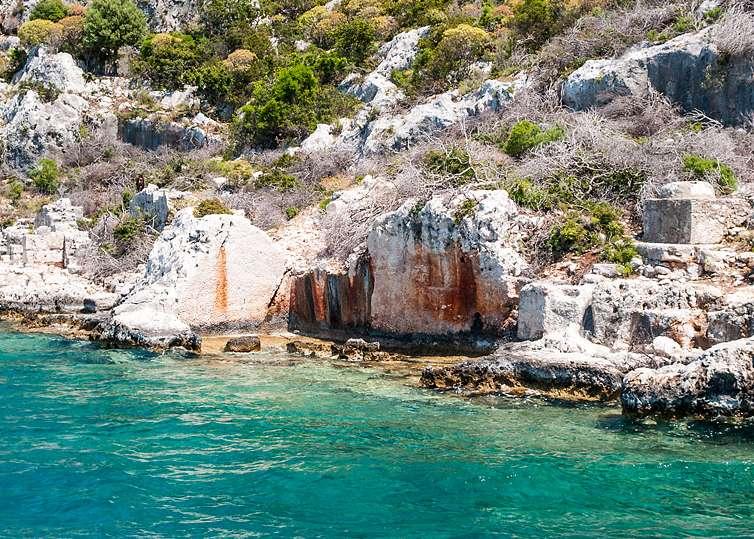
(166, 59)
(291, 212)
(355, 40)
(127, 230)
(233, 22)
(445, 57)
(595, 224)
(45, 176)
(214, 81)
(40, 32)
(49, 10)
(73, 31)
(569, 236)
(526, 194)
(278, 179)
(538, 19)
(525, 135)
(211, 206)
(466, 209)
(111, 24)
(703, 167)
(288, 108)
(454, 163)
(15, 190)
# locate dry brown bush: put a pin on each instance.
(734, 33)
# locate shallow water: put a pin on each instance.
(120, 443)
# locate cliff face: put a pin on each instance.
(447, 267)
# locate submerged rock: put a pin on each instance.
(719, 383)
(247, 343)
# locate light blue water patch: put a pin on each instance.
(120, 443)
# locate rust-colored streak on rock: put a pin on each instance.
(221, 282)
(443, 285)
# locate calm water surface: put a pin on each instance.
(105, 443)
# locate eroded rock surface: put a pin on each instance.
(719, 383)
(213, 273)
(688, 69)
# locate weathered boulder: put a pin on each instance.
(153, 133)
(55, 71)
(688, 69)
(452, 266)
(155, 204)
(215, 273)
(171, 15)
(719, 383)
(59, 216)
(399, 52)
(247, 343)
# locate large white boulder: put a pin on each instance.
(57, 71)
(449, 266)
(33, 129)
(213, 273)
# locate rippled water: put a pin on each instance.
(126, 444)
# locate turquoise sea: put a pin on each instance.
(116, 443)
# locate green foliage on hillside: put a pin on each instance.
(51, 10)
(45, 176)
(111, 24)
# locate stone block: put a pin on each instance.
(549, 308)
(689, 221)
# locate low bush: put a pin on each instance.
(15, 190)
(40, 32)
(526, 135)
(127, 230)
(592, 225)
(166, 59)
(45, 176)
(50, 10)
(454, 163)
(211, 206)
(703, 167)
(355, 40)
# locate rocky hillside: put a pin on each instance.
(572, 178)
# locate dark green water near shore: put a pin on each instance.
(117, 443)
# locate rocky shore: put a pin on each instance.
(674, 340)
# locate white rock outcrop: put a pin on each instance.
(57, 71)
(213, 273)
(715, 83)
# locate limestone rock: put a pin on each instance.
(719, 383)
(210, 274)
(33, 128)
(452, 266)
(628, 312)
(155, 204)
(58, 71)
(399, 52)
(730, 99)
(170, 15)
(687, 190)
(549, 308)
(247, 343)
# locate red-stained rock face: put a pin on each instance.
(425, 273)
(323, 301)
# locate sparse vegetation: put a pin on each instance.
(211, 206)
(45, 176)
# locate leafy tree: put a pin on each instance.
(282, 110)
(50, 10)
(230, 20)
(111, 24)
(539, 19)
